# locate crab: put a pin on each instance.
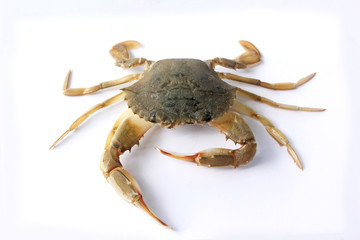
(173, 92)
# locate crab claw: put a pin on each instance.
(127, 187)
(216, 157)
(123, 183)
(236, 129)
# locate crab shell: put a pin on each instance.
(180, 91)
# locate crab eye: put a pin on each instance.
(207, 117)
(152, 117)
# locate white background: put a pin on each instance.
(61, 194)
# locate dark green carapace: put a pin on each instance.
(180, 91)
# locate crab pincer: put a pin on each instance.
(129, 130)
(236, 129)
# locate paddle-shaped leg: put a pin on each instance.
(251, 56)
(121, 53)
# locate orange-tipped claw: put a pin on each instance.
(217, 156)
(141, 204)
(123, 183)
(186, 157)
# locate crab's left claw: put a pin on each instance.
(217, 157)
(235, 128)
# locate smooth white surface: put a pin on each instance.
(62, 194)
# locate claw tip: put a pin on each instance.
(161, 151)
(144, 207)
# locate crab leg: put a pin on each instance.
(251, 56)
(274, 86)
(228, 63)
(267, 101)
(120, 52)
(235, 128)
(82, 118)
(83, 91)
(129, 131)
(134, 62)
(270, 128)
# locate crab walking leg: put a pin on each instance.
(270, 128)
(267, 101)
(274, 86)
(83, 91)
(82, 118)
(128, 133)
(120, 52)
(235, 128)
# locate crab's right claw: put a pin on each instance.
(126, 133)
(126, 186)
(123, 183)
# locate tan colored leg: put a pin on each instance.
(235, 128)
(274, 86)
(82, 118)
(129, 131)
(228, 63)
(275, 104)
(83, 91)
(134, 62)
(270, 128)
(251, 56)
(121, 50)
(121, 53)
